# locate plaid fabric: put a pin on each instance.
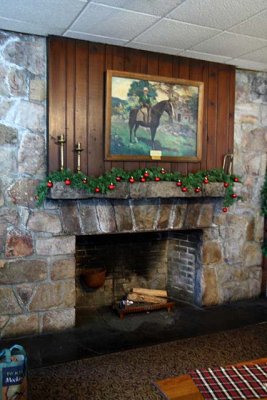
(232, 383)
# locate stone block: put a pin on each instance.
(54, 321)
(165, 212)
(8, 160)
(210, 294)
(17, 82)
(211, 252)
(123, 216)
(23, 192)
(60, 294)
(20, 271)
(106, 216)
(24, 293)
(55, 246)
(29, 116)
(88, 215)
(179, 211)
(3, 320)
(8, 301)
(31, 154)
(192, 215)
(37, 90)
(70, 217)
(21, 325)
(18, 243)
(63, 269)
(145, 213)
(252, 253)
(41, 221)
(205, 215)
(8, 135)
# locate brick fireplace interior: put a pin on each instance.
(154, 260)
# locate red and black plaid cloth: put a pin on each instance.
(232, 383)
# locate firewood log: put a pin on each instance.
(142, 298)
(150, 292)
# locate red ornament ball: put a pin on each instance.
(184, 189)
(131, 179)
(157, 178)
(198, 189)
(236, 180)
(97, 189)
(234, 195)
(142, 179)
(111, 186)
(225, 209)
(179, 183)
(146, 174)
(84, 180)
(118, 178)
(206, 180)
(67, 181)
(50, 184)
(162, 171)
(226, 184)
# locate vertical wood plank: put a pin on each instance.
(108, 65)
(57, 99)
(81, 100)
(212, 117)
(231, 117)
(223, 114)
(70, 106)
(96, 109)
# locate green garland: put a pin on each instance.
(102, 183)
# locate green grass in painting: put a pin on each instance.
(170, 143)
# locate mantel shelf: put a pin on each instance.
(137, 190)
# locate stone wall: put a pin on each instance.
(37, 247)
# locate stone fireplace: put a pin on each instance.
(38, 293)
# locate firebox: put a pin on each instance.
(154, 260)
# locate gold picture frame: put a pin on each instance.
(153, 117)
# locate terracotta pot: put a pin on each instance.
(94, 277)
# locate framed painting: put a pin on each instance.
(153, 118)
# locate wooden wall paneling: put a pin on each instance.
(96, 109)
(195, 74)
(57, 99)
(81, 101)
(223, 115)
(144, 59)
(231, 111)
(70, 106)
(108, 65)
(132, 64)
(165, 69)
(205, 76)
(117, 65)
(183, 74)
(211, 153)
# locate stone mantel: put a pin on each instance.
(138, 190)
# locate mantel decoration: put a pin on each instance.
(109, 181)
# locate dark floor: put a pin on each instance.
(104, 332)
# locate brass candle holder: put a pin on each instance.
(78, 149)
(61, 141)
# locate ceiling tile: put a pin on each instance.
(220, 14)
(245, 64)
(256, 56)
(45, 16)
(230, 45)
(175, 34)
(155, 48)
(255, 26)
(155, 7)
(204, 56)
(111, 22)
(94, 38)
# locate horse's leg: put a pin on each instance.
(153, 134)
(135, 129)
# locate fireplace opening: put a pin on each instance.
(154, 260)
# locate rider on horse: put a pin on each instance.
(145, 104)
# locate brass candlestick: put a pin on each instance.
(78, 150)
(61, 141)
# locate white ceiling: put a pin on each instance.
(226, 31)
